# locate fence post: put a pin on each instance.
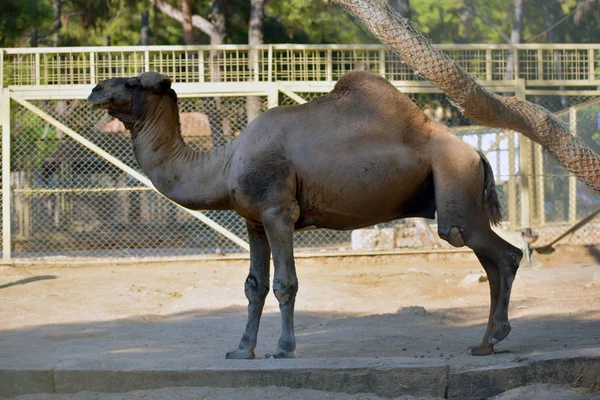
(270, 65)
(512, 182)
(572, 179)
(382, 62)
(539, 183)
(92, 68)
(273, 95)
(6, 195)
(524, 163)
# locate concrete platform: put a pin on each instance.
(387, 377)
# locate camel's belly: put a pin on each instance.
(353, 207)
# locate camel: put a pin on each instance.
(360, 155)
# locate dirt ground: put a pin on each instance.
(346, 307)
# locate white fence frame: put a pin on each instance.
(23, 94)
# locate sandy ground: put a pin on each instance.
(365, 307)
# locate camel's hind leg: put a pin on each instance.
(506, 258)
(493, 274)
(463, 219)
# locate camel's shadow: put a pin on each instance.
(201, 336)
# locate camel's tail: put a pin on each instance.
(490, 196)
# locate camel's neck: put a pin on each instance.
(192, 178)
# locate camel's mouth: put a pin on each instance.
(99, 104)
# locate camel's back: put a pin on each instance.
(360, 150)
(361, 107)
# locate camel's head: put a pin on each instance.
(128, 98)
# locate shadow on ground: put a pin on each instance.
(197, 337)
(28, 280)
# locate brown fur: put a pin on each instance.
(362, 155)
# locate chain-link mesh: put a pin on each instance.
(559, 200)
(70, 201)
(475, 101)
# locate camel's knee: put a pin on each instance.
(510, 261)
(285, 290)
(452, 235)
(256, 291)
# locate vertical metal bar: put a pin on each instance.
(524, 174)
(517, 73)
(524, 164)
(270, 65)
(92, 67)
(1, 74)
(37, 69)
(539, 181)
(540, 64)
(382, 62)
(146, 60)
(257, 55)
(591, 70)
(329, 66)
(273, 95)
(488, 65)
(512, 182)
(572, 179)
(6, 195)
(71, 69)
(201, 65)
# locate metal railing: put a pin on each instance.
(539, 65)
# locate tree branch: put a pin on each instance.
(488, 23)
(197, 21)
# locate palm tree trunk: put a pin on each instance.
(145, 30)
(556, 35)
(188, 33)
(255, 37)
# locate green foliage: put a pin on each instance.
(19, 17)
(90, 22)
(312, 21)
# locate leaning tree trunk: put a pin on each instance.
(476, 102)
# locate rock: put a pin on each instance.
(413, 310)
(473, 278)
(374, 239)
(595, 281)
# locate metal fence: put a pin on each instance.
(71, 187)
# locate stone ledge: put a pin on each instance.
(387, 377)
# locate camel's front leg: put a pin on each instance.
(280, 231)
(256, 288)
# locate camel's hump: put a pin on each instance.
(361, 80)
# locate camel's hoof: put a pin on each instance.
(240, 354)
(281, 354)
(500, 332)
(481, 350)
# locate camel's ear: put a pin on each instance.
(132, 83)
(163, 84)
(159, 83)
